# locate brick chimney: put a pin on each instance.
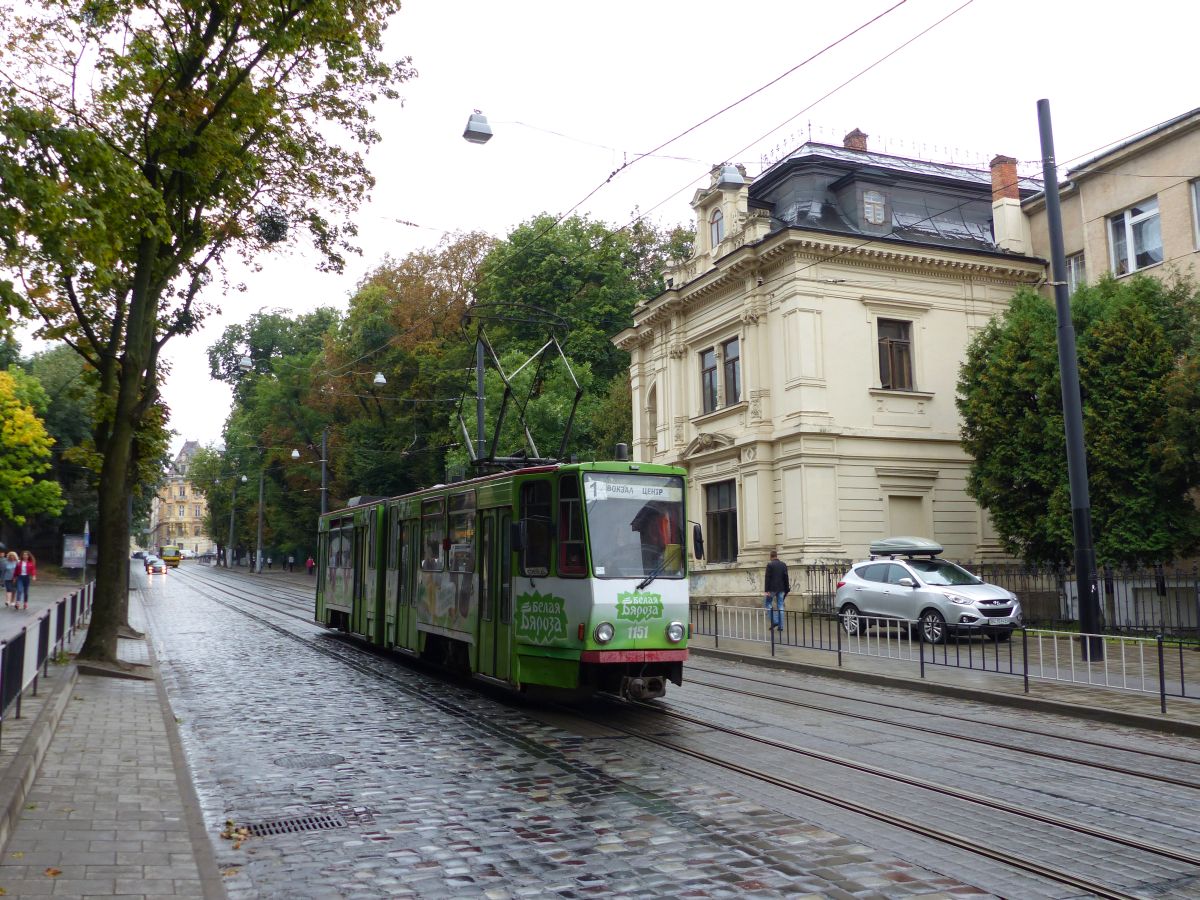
(1004, 179)
(856, 140)
(1010, 227)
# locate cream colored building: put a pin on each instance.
(1133, 208)
(177, 512)
(802, 365)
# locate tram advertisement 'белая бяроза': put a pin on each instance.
(568, 577)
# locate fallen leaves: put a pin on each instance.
(52, 872)
(234, 832)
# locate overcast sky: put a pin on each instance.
(575, 91)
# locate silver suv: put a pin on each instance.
(905, 581)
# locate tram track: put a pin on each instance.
(876, 703)
(905, 823)
(1190, 784)
(238, 597)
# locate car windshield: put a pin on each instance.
(937, 571)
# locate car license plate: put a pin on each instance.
(997, 621)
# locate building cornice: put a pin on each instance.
(778, 247)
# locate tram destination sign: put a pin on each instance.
(642, 489)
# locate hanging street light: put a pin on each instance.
(478, 130)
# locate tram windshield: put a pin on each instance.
(635, 524)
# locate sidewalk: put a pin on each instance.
(96, 798)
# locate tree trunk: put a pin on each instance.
(110, 606)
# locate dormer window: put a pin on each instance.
(873, 207)
(716, 227)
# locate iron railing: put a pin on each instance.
(1160, 666)
(26, 656)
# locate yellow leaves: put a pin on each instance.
(236, 833)
(52, 872)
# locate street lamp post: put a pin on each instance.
(232, 507)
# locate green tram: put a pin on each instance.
(569, 578)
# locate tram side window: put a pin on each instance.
(462, 532)
(572, 561)
(371, 540)
(433, 535)
(539, 538)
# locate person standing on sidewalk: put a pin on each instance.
(310, 565)
(8, 572)
(26, 572)
(775, 589)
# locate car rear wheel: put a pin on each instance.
(852, 621)
(933, 627)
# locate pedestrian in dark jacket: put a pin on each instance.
(775, 589)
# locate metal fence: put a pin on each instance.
(28, 655)
(1160, 666)
(1151, 601)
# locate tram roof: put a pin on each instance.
(493, 477)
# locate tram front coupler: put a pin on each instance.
(643, 687)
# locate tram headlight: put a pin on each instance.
(604, 633)
(675, 632)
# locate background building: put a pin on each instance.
(177, 513)
(1133, 208)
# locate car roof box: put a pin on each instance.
(905, 546)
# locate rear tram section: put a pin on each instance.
(569, 579)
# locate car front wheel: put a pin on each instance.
(852, 621)
(933, 627)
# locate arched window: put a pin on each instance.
(716, 227)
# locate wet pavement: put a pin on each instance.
(358, 777)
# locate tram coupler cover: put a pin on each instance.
(644, 688)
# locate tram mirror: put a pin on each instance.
(697, 541)
(517, 534)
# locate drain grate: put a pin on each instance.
(295, 825)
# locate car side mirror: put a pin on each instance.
(906, 582)
(698, 541)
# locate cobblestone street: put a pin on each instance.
(436, 790)
(360, 776)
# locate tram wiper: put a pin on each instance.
(662, 564)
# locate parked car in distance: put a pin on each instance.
(906, 582)
(154, 566)
(138, 554)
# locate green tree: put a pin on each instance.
(1137, 365)
(202, 130)
(24, 452)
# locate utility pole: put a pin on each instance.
(479, 396)
(259, 549)
(1068, 365)
(324, 470)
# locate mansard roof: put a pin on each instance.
(821, 187)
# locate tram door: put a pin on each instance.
(358, 616)
(495, 594)
(402, 546)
